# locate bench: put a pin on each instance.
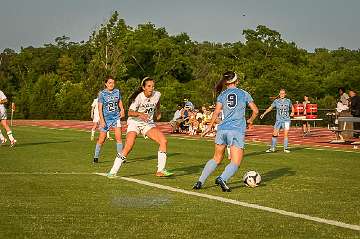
(338, 131)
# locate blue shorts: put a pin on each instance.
(111, 123)
(282, 124)
(230, 137)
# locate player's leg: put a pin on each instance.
(99, 143)
(211, 165)
(275, 134)
(304, 127)
(114, 124)
(236, 157)
(93, 129)
(155, 134)
(8, 132)
(2, 138)
(228, 152)
(121, 157)
(236, 141)
(308, 127)
(286, 137)
(117, 130)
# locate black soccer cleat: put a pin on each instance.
(96, 160)
(219, 181)
(197, 185)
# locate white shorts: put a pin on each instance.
(3, 115)
(139, 127)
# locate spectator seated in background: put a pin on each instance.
(207, 118)
(193, 122)
(185, 117)
(175, 122)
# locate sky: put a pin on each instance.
(310, 24)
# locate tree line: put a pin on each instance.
(60, 80)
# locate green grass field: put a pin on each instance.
(49, 190)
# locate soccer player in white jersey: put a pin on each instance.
(3, 118)
(231, 131)
(145, 102)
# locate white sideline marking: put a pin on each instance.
(217, 198)
(244, 204)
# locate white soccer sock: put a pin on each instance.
(92, 132)
(108, 134)
(117, 164)
(9, 133)
(161, 161)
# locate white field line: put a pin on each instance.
(244, 204)
(211, 197)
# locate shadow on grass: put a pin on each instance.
(268, 176)
(41, 143)
(189, 170)
(278, 151)
(150, 157)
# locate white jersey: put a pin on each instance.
(2, 106)
(94, 105)
(146, 105)
(2, 97)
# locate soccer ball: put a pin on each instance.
(252, 179)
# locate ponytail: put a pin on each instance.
(219, 86)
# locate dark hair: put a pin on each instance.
(353, 90)
(140, 89)
(108, 78)
(342, 89)
(227, 76)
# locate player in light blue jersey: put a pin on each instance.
(111, 110)
(231, 131)
(283, 107)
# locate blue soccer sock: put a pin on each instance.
(273, 142)
(208, 169)
(97, 150)
(229, 171)
(286, 143)
(119, 147)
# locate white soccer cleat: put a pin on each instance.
(270, 150)
(286, 151)
(12, 143)
(3, 141)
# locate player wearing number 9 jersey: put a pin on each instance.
(111, 110)
(231, 131)
(145, 103)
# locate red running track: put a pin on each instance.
(319, 137)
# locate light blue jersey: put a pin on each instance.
(110, 100)
(283, 108)
(234, 102)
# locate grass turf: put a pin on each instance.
(324, 184)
